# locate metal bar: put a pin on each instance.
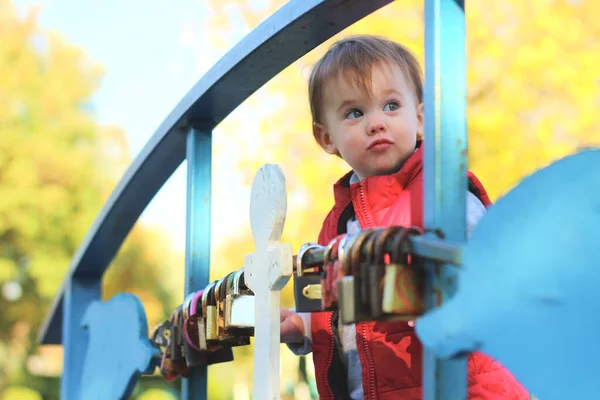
(425, 246)
(78, 296)
(291, 32)
(445, 171)
(197, 247)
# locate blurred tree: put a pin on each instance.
(533, 94)
(57, 168)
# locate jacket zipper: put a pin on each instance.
(370, 363)
(337, 221)
(363, 203)
(332, 343)
(330, 360)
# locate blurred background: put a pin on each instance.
(83, 86)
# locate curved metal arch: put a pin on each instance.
(294, 30)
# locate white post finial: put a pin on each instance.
(266, 272)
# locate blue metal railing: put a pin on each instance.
(291, 32)
(445, 168)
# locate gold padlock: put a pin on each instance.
(210, 312)
(403, 283)
(219, 304)
(212, 323)
(402, 291)
(202, 345)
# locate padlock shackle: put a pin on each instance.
(401, 245)
(380, 245)
(194, 304)
(353, 261)
(205, 295)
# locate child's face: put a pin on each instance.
(374, 132)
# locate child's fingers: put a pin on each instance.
(291, 328)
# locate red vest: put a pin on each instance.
(390, 352)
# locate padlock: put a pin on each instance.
(214, 319)
(404, 282)
(196, 349)
(227, 337)
(171, 369)
(350, 302)
(210, 312)
(239, 312)
(212, 323)
(160, 335)
(185, 306)
(303, 303)
(329, 277)
(195, 325)
(176, 335)
(347, 293)
(302, 279)
(362, 275)
(376, 272)
(201, 327)
(222, 288)
(173, 360)
(305, 249)
(191, 333)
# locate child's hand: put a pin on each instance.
(292, 327)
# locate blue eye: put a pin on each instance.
(391, 106)
(352, 114)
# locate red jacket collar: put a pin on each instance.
(396, 182)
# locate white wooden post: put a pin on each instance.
(267, 271)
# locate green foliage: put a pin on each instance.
(58, 166)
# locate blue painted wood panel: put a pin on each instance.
(528, 288)
(118, 351)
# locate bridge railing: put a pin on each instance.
(186, 134)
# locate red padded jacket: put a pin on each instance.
(390, 352)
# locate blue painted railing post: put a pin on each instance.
(445, 169)
(197, 260)
(80, 292)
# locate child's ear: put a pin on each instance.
(420, 118)
(324, 139)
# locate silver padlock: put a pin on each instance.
(352, 287)
(347, 293)
(239, 307)
(345, 286)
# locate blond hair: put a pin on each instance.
(354, 57)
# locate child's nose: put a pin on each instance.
(376, 126)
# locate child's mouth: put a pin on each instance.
(380, 145)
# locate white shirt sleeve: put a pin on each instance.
(475, 210)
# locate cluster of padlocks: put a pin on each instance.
(203, 329)
(370, 275)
